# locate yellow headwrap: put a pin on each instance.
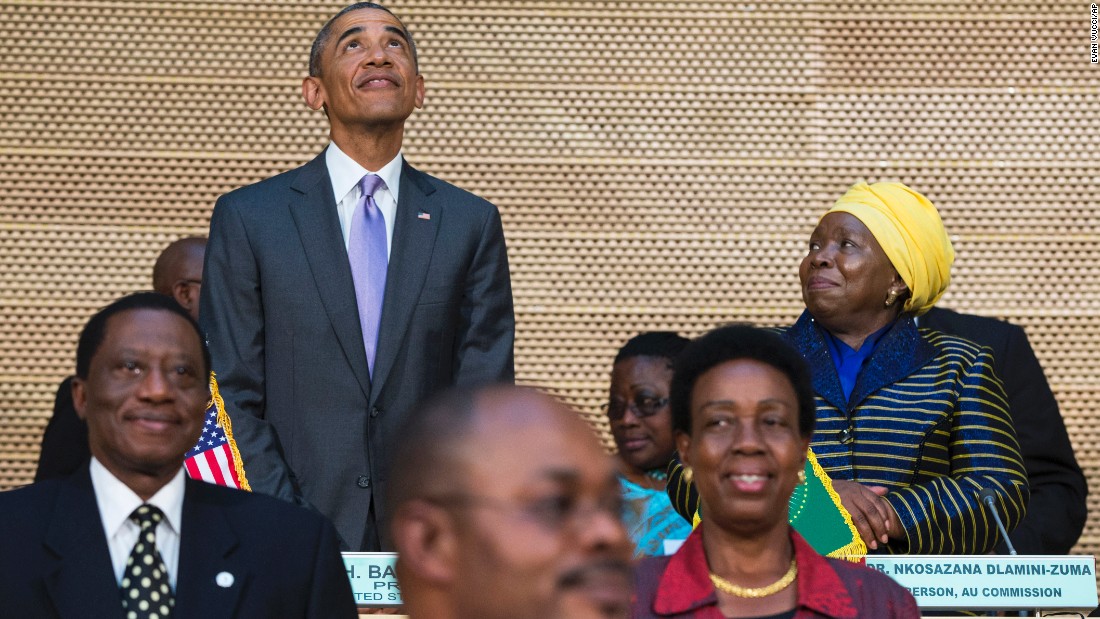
(908, 228)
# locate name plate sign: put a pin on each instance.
(988, 582)
(372, 576)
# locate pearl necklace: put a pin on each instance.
(784, 581)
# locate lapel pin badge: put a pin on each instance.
(224, 580)
(424, 216)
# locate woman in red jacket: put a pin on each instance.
(743, 409)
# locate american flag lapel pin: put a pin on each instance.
(423, 215)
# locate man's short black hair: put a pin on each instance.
(91, 338)
(325, 33)
(732, 343)
(661, 344)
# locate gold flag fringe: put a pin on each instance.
(227, 426)
(857, 549)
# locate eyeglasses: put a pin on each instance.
(554, 513)
(643, 406)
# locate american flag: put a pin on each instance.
(211, 459)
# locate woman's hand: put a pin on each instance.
(871, 513)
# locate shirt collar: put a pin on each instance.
(839, 349)
(685, 586)
(345, 173)
(820, 589)
(848, 361)
(116, 501)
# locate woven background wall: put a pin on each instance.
(658, 165)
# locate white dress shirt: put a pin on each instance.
(117, 501)
(345, 174)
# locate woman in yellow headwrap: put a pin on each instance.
(912, 424)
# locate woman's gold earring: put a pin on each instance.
(689, 474)
(802, 476)
(891, 297)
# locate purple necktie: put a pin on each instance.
(369, 258)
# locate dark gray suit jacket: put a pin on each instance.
(1057, 511)
(278, 307)
(54, 561)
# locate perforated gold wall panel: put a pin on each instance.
(659, 165)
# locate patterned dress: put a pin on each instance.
(650, 519)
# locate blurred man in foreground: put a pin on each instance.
(504, 505)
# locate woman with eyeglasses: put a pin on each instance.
(743, 410)
(641, 426)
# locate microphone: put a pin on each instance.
(986, 496)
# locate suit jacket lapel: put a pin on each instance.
(899, 353)
(803, 334)
(314, 213)
(414, 232)
(82, 582)
(207, 545)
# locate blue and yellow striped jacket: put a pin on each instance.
(929, 420)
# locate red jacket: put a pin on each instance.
(679, 586)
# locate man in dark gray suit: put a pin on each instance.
(321, 349)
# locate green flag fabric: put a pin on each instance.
(815, 511)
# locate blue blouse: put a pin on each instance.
(650, 519)
(848, 361)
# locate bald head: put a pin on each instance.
(178, 272)
(439, 443)
(427, 446)
(504, 504)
